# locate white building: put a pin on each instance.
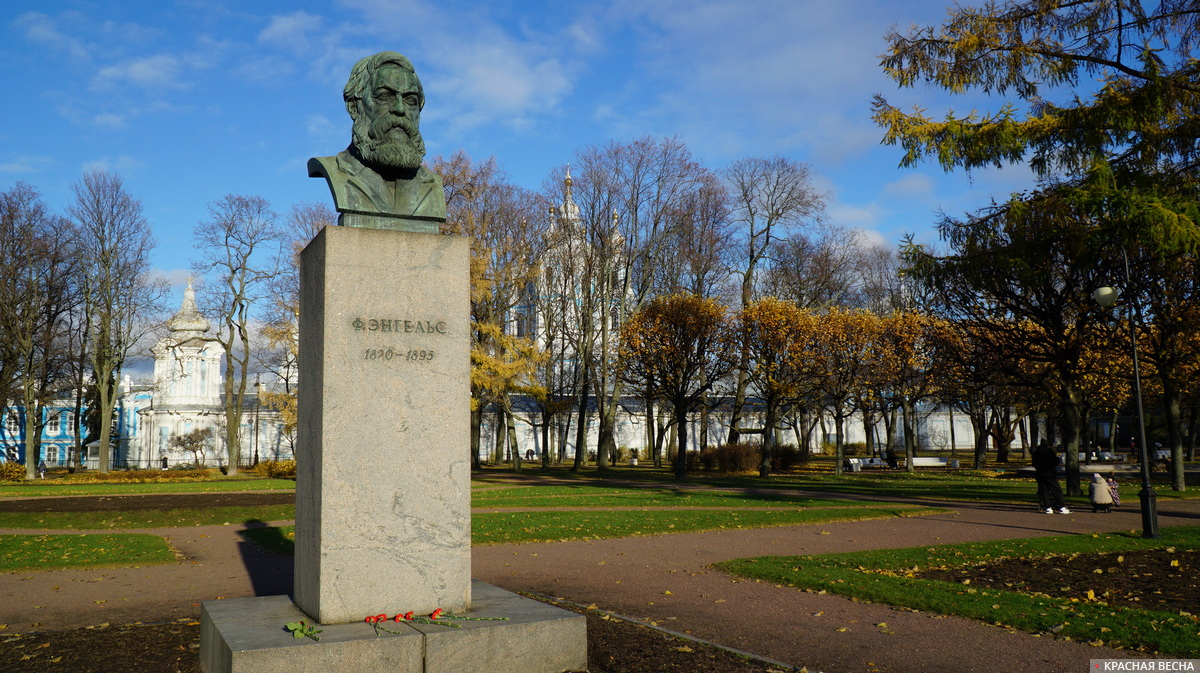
(187, 395)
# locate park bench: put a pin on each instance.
(934, 461)
(857, 464)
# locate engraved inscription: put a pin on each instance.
(399, 325)
(389, 354)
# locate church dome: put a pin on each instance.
(187, 323)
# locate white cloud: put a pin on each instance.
(26, 164)
(853, 216)
(41, 29)
(121, 164)
(911, 187)
(319, 126)
(109, 120)
(176, 278)
(291, 32)
(479, 69)
(869, 238)
(161, 71)
(499, 80)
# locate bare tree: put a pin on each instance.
(279, 354)
(770, 197)
(633, 200)
(505, 225)
(37, 296)
(119, 296)
(194, 442)
(813, 271)
(880, 287)
(242, 246)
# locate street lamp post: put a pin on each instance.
(257, 392)
(1107, 297)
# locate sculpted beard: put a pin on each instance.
(389, 142)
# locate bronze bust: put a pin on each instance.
(379, 181)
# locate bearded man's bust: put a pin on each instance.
(379, 181)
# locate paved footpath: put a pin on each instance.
(632, 576)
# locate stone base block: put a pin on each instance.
(247, 635)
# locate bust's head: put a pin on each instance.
(384, 98)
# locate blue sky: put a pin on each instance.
(191, 100)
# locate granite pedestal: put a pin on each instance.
(383, 519)
(246, 635)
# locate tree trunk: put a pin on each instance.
(739, 401)
(681, 433)
(889, 428)
(910, 440)
(869, 420)
(1112, 433)
(510, 431)
(651, 431)
(839, 453)
(1174, 436)
(953, 439)
(581, 432)
(807, 423)
(768, 441)
(498, 437)
(1069, 425)
(476, 432)
(606, 444)
(547, 418)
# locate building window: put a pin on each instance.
(12, 424)
(53, 423)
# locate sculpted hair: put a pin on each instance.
(363, 73)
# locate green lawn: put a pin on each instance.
(145, 518)
(584, 495)
(56, 552)
(997, 485)
(517, 527)
(504, 527)
(37, 487)
(885, 576)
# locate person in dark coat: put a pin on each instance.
(1045, 465)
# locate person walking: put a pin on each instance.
(1045, 465)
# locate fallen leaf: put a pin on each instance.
(683, 648)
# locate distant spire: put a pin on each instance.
(187, 323)
(568, 214)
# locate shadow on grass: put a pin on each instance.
(267, 554)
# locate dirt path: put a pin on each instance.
(632, 576)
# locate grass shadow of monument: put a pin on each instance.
(267, 555)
